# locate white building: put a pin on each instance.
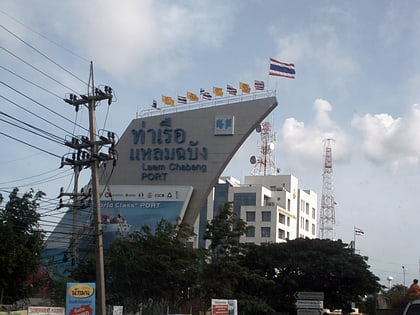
(273, 206)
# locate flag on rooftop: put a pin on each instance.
(167, 100)
(259, 85)
(281, 69)
(231, 90)
(244, 87)
(154, 104)
(358, 231)
(217, 91)
(202, 91)
(192, 97)
(206, 95)
(182, 100)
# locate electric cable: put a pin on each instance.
(42, 54)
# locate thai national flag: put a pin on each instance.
(231, 90)
(282, 69)
(259, 85)
(182, 100)
(358, 231)
(206, 96)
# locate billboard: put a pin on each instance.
(80, 298)
(224, 307)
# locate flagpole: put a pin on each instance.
(268, 75)
(354, 239)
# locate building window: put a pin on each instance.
(250, 231)
(313, 229)
(282, 218)
(266, 216)
(288, 221)
(265, 231)
(313, 213)
(282, 234)
(307, 208)
(250, 216)
(288, 205)
(307, 225)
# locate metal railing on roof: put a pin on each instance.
(216, 101)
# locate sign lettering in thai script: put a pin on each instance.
(80, 299)
(224, 307)
(46, 310)
(309, 304)
(308, 295)
(165, 150)
(308, 311)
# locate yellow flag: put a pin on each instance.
(192, 97)
(244, 87)
(167, 100)
(217, 91)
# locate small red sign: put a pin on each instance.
(220, 310)
(82, 310)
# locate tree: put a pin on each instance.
(313, 265)
(224, 232)
(397, 296)
(21, 241)
(155, 270)
(225, 276)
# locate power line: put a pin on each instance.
(38, 70)
(42, 54)
(43, 36)
(29, 81)
(30, 145)
(43, 106)
(39, 132)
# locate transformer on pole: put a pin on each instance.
(327, 211)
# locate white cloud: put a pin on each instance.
(303, 144)
(152, 36)
(394, 142)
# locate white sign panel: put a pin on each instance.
(308, 311)
(305, 295)
(309, 304)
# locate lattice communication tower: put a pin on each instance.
(327, 211)
(264, 164)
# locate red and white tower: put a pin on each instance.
(327, 211)
(264, 164)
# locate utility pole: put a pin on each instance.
(92, 157)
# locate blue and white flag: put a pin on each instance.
(282, 69)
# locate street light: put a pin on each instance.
(403, 268)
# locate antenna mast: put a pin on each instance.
(264, 164)
(327, 213)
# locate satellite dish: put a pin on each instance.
(258, 129)
(253, 160)
(271, 146)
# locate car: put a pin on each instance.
(412, 308)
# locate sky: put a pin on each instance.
(357, 82)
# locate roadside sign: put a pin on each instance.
(304, 295)
(309, 304)
(308, 311)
